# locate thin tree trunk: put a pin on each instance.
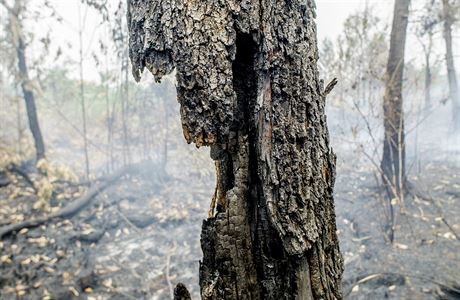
(451, 74)
(164, 160)
(28, 94)
(30, 102)
(82, 94)
(248, 86)
(143, 118)
(393, 160)
(19, 126)
(124, 114)
(108, 117)
(428, 77)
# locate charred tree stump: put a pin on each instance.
(248, 86)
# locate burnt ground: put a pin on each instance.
(423, 262)
(140, 237)
(136, 239)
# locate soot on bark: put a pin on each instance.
(244, 81)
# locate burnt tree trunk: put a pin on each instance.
(451, 74)
(248, 86)
(393, 160)
(23, 73)
(30, 102)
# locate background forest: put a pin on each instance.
(101, 131)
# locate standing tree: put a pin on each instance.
(393, 160)
(120, 40)
(449, 13)
(248, 86)
(425, 31)
(15, 18)
(82, 90)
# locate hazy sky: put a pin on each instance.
(331, 15)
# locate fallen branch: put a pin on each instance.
(74, 207)
(92, 237)
(4, 181)
(16, 169)
(446, 286)
(76, 184)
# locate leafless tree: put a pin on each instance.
(81, 23)
(393, 159)
(450, 11)
(15, 18)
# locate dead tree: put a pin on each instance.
(248, 86)
(425, 31)
(17, 37)
(82, 92)
(428, 75)
(393, 160)
(448, 16)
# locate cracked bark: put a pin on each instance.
(248, 86)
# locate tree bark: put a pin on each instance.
(248, 86)
(451, 74)
(28, 94)
(393, 160)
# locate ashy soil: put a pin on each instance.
(423, 261)
(136, 239)
(140, 236)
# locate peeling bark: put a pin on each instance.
(248, 86)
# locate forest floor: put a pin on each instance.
(423, 261)
(140, 236)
